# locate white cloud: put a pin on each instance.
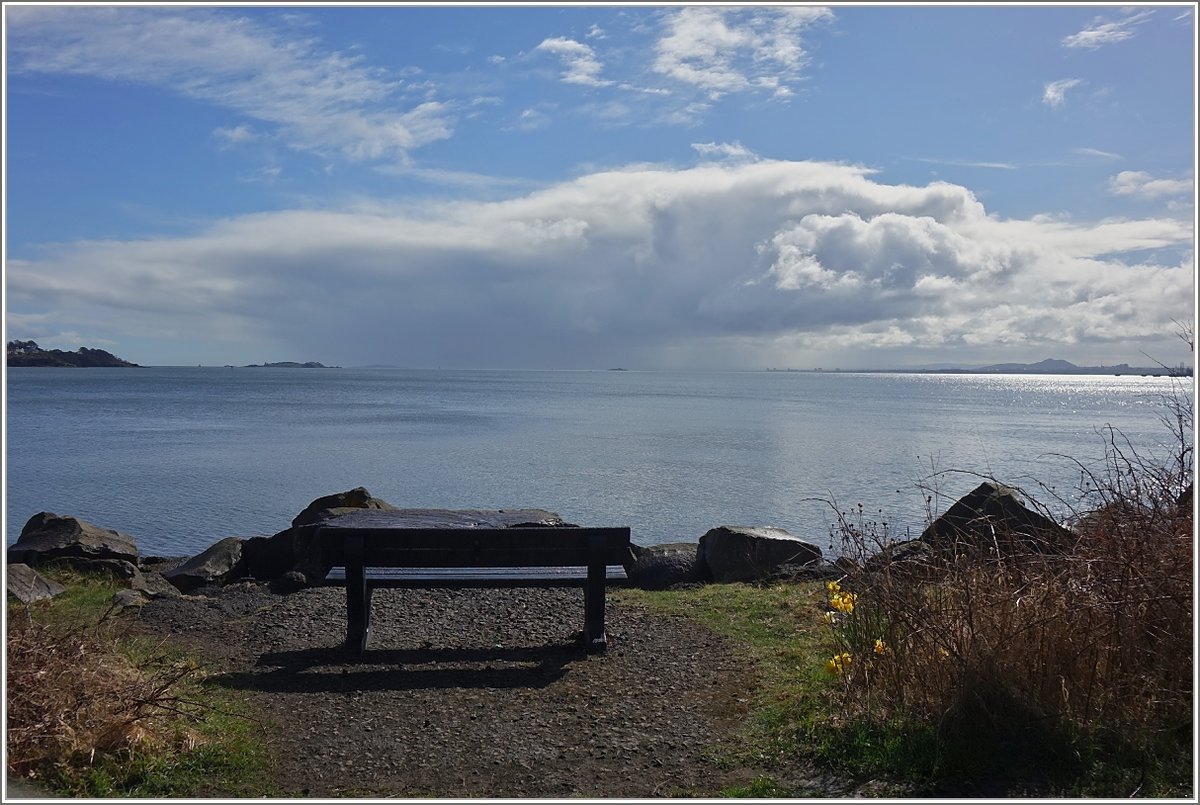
(579, 61)
(723, 50)
(1055, 92)
(728, 151)
(1140, 184)
(319, 100)
(637, 266)
(236, 134)
(1101, 31)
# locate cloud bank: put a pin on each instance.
(724, 264)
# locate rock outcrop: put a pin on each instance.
(748, 553)
(658, 567)
(219, 563)
(993, 520)
(295, 550)
(329, 506)
(48, 536)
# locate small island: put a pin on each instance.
(28, 353)
(290, 365)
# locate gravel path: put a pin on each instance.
(473, 693)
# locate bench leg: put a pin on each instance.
(593, 609)
(358, 606)
(358, 619)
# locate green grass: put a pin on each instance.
(762, 788)
(213, 749)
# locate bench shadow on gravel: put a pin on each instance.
(319, 670)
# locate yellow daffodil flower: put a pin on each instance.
(839, 663)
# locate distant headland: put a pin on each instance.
(28, 353)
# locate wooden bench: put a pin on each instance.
(368, 550)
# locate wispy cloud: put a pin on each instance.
(318, 100)
(966, 163)
(724, 50)
(531, 119)
(579, 61)
(1096, 152)
(1055, 92)
(1142, 185)
(235, 134)
(1102, 31)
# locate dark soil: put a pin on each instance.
(476, 693)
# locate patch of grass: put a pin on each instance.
(762, 788)
(96, 711)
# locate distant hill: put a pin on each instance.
(1054, 366)
(28, 353)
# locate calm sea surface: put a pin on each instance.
(181, 457)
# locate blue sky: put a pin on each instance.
(591, 186)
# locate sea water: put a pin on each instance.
(181, 457)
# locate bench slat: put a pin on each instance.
(399, 557)
(393, 577)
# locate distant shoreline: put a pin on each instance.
(1046, 367)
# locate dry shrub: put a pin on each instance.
(1015, 654)
(73, 697)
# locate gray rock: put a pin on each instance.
(28, 585)
(290, 582)
(220, 562)
(295, 548)
(993, 520)
(747, 553)
(117, 569)
(912, 559)
(789, 573)
(48, 536)
(657, 567)
(154, 585)
(125, 599)
(328, 506)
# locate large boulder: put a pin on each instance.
(749, 553)
(221, 562)
(48, 536)
(295, 549)
(657, 567)
(28, 585)
(328, 506)
(993, 520)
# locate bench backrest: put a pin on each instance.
(477, 547)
